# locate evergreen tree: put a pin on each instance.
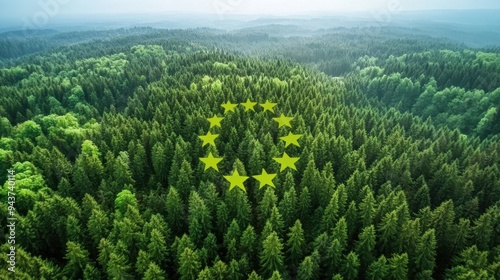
(175, 211)
(308, 269)
(219, 270)
(295, 243)
(118, 267)
(154, 273)
(189, 264)
(157, 247)
(77, 258)
(271, 256)
(398, 267)
(200, 220)
(426, 252)
(365, 247)
(351, 266)
(378, 270)
(88, 170)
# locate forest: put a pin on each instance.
(145, 153)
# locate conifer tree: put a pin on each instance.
(175, 211)
(378, 270)
(154, 272)
(351, 266)
(296, 243)
(426, 252)
(189, 265)
(157, 247)
(271, 256)
(365, 247)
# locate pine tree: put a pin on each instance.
(88, 170)
(219, 270)
(118, 267)
(288, 206)
(276, 276)
(154, 272)
(308, 269)
(122, 176)
(276, 221)
(139, 166)
(305, 207)
(159, 160)
(234, 272)
(200, 221)
(367, 208)
(185, 180)
(426, 252)
(351, 219)
(189, 265)
(205, 274)
(180, 244)
(271, 256)
(331, 214)
(398, 267)
(254, 276)
(365, 247)
(105, 249)
(351, 266)
(388, 231)
(142, 262)
(77, 258)
(157, 248)
(210, 246)
(296, 243)
(379, 269)
(175, 211)
(91, 272)
(248, 242)
(98, 225)
(266, 205)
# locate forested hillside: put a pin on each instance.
(397, 172)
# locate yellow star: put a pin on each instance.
(236, 180)
(283, 121)
(265, 179)
(291, 139)
(208, 139)
(287, 161)
(228, 106)
(211, 162)
(268, 106)
(215, 121)
(249, 105)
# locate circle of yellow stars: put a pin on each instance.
(265, 179)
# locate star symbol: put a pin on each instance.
(287, 161)
(208, 139)
(236, 180)
(211, 162)
(249, 105)
(283, 121)
(215, 121)
(265, 179)
(291, 139)
(268, 106)
(228, 106)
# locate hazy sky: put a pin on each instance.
(18, 9)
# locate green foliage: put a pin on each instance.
(123, 200)
(398, 176)
(189, 265)
(271, 257)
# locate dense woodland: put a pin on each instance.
(398, 176)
